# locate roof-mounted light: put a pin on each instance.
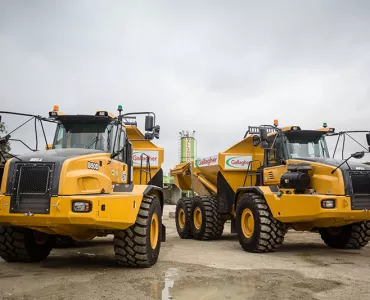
(101, 114)
(324, 125)
(276, 123)
(54, 112)
(119, 108)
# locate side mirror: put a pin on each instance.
(358, 155)
(256, 140)
(157, 129)
(149, 123)
(263, 134)
(367, 138)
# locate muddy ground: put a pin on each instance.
(303, 269)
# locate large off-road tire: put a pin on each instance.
(63, 241)
(183, 217)
(138, 246)
(24, 245)
(206, 222)
(352, 236)
(257, 229)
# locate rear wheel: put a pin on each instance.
(206, 222)
(24, 245)
(352, 236)
(183, 218)
(258, 230)
(138, 246)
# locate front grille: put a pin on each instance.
(32, 188)
(360, 182)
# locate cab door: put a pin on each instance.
(275, 157)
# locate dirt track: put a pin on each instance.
(304, 268)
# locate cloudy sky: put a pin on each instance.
(210, 66)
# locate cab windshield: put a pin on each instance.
(306, 144)
(97, 136)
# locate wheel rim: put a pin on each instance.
(181, 218)
(247, 223)
(154, 231)
(198, 218)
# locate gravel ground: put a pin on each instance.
(304, 268)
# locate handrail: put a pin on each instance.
(147, 168)
(250, 166)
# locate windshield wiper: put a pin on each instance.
(357, 155)
(95, 140)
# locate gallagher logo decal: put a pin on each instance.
(206, 161)
(153, 158)
(237, 162)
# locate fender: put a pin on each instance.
(254, 189)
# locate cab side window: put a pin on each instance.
(120, 143)
(275, 153)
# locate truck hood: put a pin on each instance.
(56, 155)
(354, 166)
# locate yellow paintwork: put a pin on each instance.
(140, 144)
(301, 211)
(5, 176)
(120, 212)
(77, 179)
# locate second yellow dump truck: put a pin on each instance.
(273, 180)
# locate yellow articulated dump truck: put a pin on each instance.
(101, 175)
(273, 180)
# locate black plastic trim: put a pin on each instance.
(157, 179)
(225, 195)
(274, 188)
(123, 188)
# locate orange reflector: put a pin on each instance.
(56, 108)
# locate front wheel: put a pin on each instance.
(352, 236)
(19, 244)
(138, 246)
(258, 230)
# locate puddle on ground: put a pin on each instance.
(176, 288)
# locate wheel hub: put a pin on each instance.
(154, 229)
(198, 218)
(181, 218)
(247, 223)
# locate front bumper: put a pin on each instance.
(307, 208)
(109, 212)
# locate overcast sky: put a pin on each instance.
(210, 66)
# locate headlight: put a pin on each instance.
(328, 203)
(81, 206)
